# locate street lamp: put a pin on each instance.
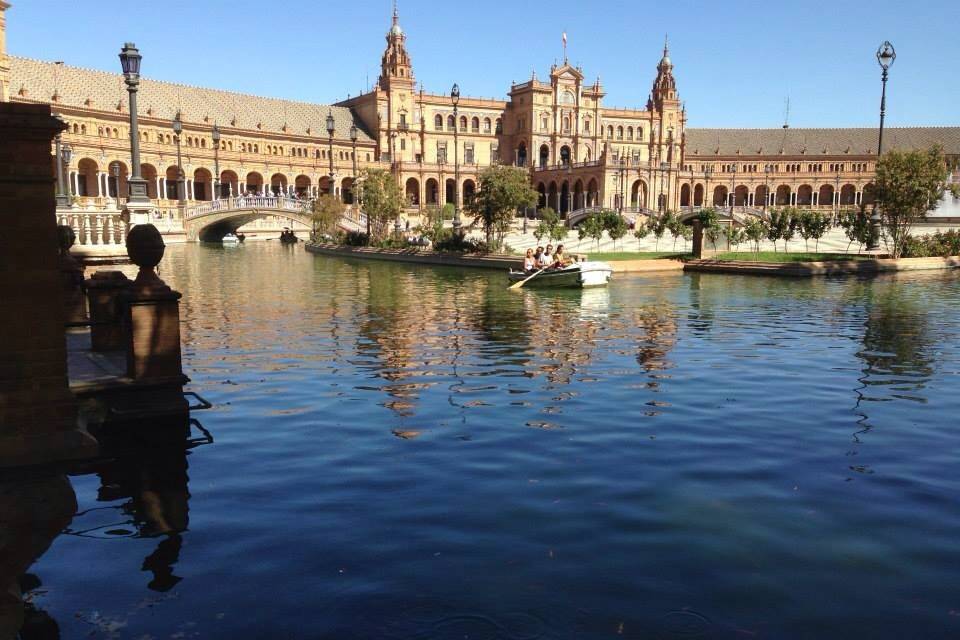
(331, 127)
(455, 99)
(733, 189)
(66, 155)
(622, 181)
(766, 186)
(216, 162)
(62, 200)
(137, 187)
(661, 200)
(707, 174)
(886, 55)
(115, 170)
(181, 182)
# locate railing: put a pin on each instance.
(95, 227)
(247, 202)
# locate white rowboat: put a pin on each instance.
(576, 275)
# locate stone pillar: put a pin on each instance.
(37, 410)
(71, 277)
(697, 239)
(152, 312)
(107, 312)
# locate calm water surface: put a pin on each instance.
(413, 452)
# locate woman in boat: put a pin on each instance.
(538, 258)
(529, 262)
(559, 259)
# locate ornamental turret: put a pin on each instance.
(395, 66)
(665, 86)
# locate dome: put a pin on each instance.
(395, 30)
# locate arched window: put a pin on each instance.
(486, 125)
(475, 125)
(463, 123)
(499, 126)
(610, 131)
(438, 122)
(629, 133)
(544, 122)
(586, 125)
(451, 123)
(619, 133)
(566, 124)
(639, 133)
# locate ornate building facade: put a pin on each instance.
(579, 153)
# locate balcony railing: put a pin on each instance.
(94, 228)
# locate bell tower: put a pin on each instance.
(396, 70)
(4, 58)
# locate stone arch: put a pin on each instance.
(301, 185)
(544, 155)
(565, 156)
(475, 124)
(346, 190)
(783, 195)
(869, 194)
(451, 123)
(229, 184)
(578, 194)
(619, 133)
(149, 173)
(542, 200)
(685, 195)
(629, 133)
(88, 178)
(741, 196)
(825, 195)
(278, 184)
(564, 197)
(552, 196)
(638, 194)
(698, 195)
(412, 192)
(432, 191)
(469, 189)
(848, 195)
(171, 176)
(463, 123)
(438, 122)
(117, 187)
(202, 184)
(450, 191)
(254, 182)
(761, 196)
(486, 125)
(805, 195)
(593, 193)
(720, 196)
(522, 154)
(323, 185)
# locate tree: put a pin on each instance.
(502, 191)
(594, 227)
(548, 220)
(755, 230)
(735, 235)
(686, 232)
(910, 184)
(640, 231)
(382, 200)
(856, 226)
(660, 227)
(615, 226)
(779, 224)
(325, 214)
(710, 223)
(805, 225)
(790, 221)
(817, 226)
(674, 226)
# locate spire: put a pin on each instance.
(666, 45)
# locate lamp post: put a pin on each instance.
(62, 200)
(886, 55)
(216, 162)
(661, 200)
(181, 182)
(766, 186)
(733, 189)
(66, 154)
(455, 99)
(331, 127)
(354, 134)
(707, 174)
(836, 198)
(138, 202)
(115, 170)
(621, 180)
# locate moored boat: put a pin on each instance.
(578, 274)
(231, 239)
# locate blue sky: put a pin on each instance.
(736, 62)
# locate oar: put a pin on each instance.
(517, 285)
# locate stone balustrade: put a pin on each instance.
(93, 228)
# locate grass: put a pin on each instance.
(770, 256)
(613, 256)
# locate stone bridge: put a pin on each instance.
(631, 214)
(210, 221)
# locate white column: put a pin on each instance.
(75, 181)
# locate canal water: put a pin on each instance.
(416, 452)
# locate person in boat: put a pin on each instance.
(538, 258)
(548, 256)
(529, 262)
(559, 259)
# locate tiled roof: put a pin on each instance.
(813, 142)
(102, 91)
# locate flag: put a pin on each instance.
(564, 38)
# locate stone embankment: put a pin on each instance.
(826, 268)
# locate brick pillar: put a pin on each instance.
(104, 292)
(37, 410)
